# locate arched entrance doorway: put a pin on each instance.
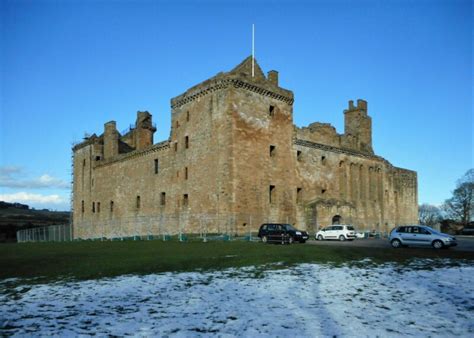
(337, 219)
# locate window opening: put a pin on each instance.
(271, 196)
(272, 150)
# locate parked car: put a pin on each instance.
(341, 232)
(282, 233)
(420, 235)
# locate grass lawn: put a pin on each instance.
(90, 260)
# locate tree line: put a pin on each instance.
(459, 208)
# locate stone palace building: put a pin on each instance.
(234, 159)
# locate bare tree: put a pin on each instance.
(460, 207)
(429, 214)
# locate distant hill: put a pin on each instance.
(17, 216)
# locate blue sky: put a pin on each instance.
(66, 67)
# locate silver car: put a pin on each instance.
(420, 235)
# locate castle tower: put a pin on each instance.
(111, 139)
(358, 126)
(144, 130)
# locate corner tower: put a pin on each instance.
(358, 126)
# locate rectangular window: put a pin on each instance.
(163, 198)
(272, 151)
(323, 160)
(111, 206)
(271, 195)
(82, 206)
(157, 167)
(93, 206)
(98, 206)
(138, 202)
(299, 155)
(186, 173)
(299, 195)
(271, 110)
(176, 146)
(186, 142)
(185, 200)
(187, 116)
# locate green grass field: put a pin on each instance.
(90, 260)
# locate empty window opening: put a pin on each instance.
(84, 162)
(186, 142)
(244, 224)
(323, 191)
(97, 158)
(272, 151)
(163, 198)
(341, 164)
(157, 167)
(93, 206)
(92, 182)
(271, 110)
(271, 195)
(186, 173)
(187, 116)
(98, 206)
(299, 155)
(111, 206)
(176, 146)
(323, 160)
(138, 203)
(185, 200)
(299, 195)
(82, 207)
(336, 219)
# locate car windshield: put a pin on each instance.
(289, 227)
(350, 228)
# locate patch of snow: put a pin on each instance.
(304, 300)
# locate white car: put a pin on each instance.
(340, 232)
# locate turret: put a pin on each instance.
(144, 130)
(111, 137)
(273, 77)
(358, 125)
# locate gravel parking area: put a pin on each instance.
(465, 243)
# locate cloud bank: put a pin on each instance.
(28, 198)
(14, 177)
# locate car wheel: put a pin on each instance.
(264, 239)
(396, 243)
(438, 244)
(290, 240)
(320, 238)
(342, 238)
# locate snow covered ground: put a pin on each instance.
(305, 300)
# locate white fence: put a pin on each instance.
(52, 233)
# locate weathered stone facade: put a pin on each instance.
(235, 157)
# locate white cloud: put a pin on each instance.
(14, 177)
(28, 198)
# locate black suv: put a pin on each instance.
(281, 233)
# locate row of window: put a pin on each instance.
(187, 119)
(186, 143)
(299, 155)
(96, 205)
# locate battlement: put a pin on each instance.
(239, 77)
(361, 106)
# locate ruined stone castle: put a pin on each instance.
(234, 159)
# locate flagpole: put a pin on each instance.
(253, 50)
